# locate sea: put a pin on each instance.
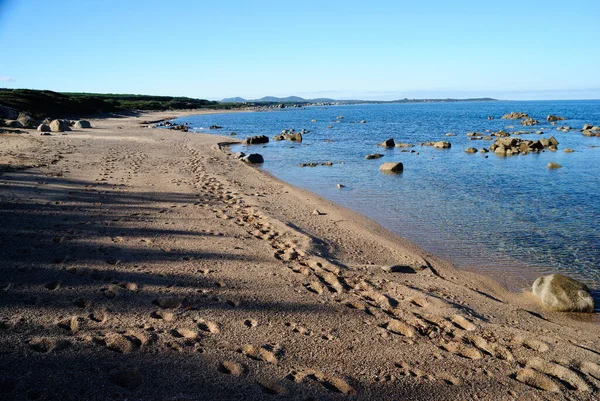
(511, 218)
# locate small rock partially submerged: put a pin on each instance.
(392, 167)
(253, 158)
(388, 143)
(551, 118)
(563, 294)
(553, 165)
(373, 156)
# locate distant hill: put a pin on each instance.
(42, 103)
(297, 99)
(234, 100)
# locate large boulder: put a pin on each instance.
(563, 294)
(26, 120)
(82, 124)
(392, 167)
(255, 140)
(388, 143)
(59, 126)
(253, 158)
(552, 118)
(515, 116)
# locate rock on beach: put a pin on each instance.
(563, 294)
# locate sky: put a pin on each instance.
(379, 49)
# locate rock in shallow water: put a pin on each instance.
(563, 294)
(392, 167)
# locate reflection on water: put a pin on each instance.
(507, 215)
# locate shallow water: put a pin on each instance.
(508, 216)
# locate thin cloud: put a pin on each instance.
(6, 79)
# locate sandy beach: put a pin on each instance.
(148, 264)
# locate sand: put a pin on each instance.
(147, 264)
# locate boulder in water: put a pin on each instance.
(563, 294)
(392, 167)
(255, 140)
(374, 156)
(442, 145)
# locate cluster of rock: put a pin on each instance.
(62, 125)
(513, 146)
(256, 140)
(24, 120)
(590, 130)
(315, 164)
(290, 135)
(438, 144)
(528, 122)
(515, 116)
(178, 127)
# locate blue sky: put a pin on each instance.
(342, 49)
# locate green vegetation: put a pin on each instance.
(44, 103)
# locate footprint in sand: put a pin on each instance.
(167, 303)
(462, 350)
(532, 344)
(536, 380)
(398, 327)
(231, 368)
(71, 324)
(272, 388)
(119, 343)
(99, 315)
(186, 333)
(164, 315)
(42, 344)
(210, 327)
(560, 372)
(259, 354)
(126, 377)
(250, 323)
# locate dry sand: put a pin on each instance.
(148, 264)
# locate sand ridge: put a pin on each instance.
(149, 264)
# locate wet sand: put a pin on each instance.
(148, 264)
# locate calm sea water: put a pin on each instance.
(510, 217)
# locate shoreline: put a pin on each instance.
(173, 249)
